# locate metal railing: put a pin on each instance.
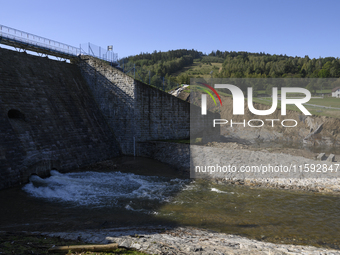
(99, 52)
(37, 41)
(20, 39)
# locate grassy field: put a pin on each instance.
(324, 91)
(320, 111)
(199, 69)
(326, 101)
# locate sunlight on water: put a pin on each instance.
(264, 214)
(104, 189)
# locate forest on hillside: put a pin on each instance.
(234, 65)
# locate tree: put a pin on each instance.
(312, 87)
(183, 79)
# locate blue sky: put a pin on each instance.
(295, 28)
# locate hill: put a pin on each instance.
(178, 66)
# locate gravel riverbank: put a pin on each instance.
(265, 168)
(186, 240)
(297, 168)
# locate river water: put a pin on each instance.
(104, 199)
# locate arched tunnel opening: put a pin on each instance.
(15, 114)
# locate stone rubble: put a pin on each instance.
(186, 240)
(298, 172)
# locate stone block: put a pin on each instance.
(321, 157)
(331, 158)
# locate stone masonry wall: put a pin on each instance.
(49, 119)
(159, 115)
(114, 92)
(136, 111)
(174, 154)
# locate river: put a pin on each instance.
(133, 195)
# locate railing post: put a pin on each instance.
(163, 84)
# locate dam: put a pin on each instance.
(61, 116)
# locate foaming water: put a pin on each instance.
(220, 191)
(131, 191)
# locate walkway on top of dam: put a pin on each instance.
(26, 41)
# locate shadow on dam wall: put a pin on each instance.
(48, 119)
(138, 112)
(56, 115)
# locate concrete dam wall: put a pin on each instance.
(49, 119)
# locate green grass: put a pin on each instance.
(319, 111)
(326, 101)
(324, 91)
(199, 69)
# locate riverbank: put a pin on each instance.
(299, 168)
(185, 240)
(20, 243)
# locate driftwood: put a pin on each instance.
(81, 248)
